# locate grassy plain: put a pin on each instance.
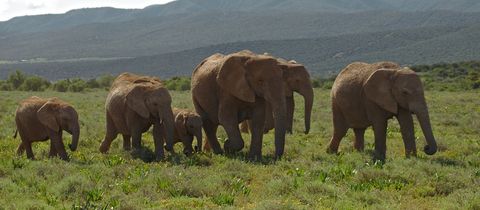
(306, 178)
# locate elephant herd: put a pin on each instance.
(252, 90)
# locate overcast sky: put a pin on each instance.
(13, 8)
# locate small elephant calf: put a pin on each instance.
(39, 119)
(188, 124)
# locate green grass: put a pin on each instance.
(306, 178)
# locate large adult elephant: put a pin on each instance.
(40, 119)
(133, 105)
(227, 89)
(366, 95)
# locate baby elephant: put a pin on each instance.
(41, 119)
(188, 124)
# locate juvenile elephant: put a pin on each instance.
(297, 79)
(133, 104)
(188, 124)
(366, 95)
(39, 119)
(228, 89)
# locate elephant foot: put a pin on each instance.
(159, 157)
(231, 148)
(187, 152)
(255, 157)
(65, 158)
(430, 150)
(104, 148)
(332, 151)
(72, 147)
(379, 157)
(410, 154)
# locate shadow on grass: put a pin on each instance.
(147, 155)
(448, 161)
(144, 153)
(243, 156)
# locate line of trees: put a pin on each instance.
(450, 76)
(442, 77)
(20, 81)
(23, 82)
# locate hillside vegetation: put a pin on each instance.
(169, 40)
(440, 77)
(23, 82)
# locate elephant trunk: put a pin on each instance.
(280, 117)
(424, 120)
(75, 136)
(308, 99)
(168, 122)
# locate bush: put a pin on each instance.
(34, 83)
(16, 79)
(61, 85)
(5, 86)
(77, 85)
(324, 83)
(105, 81)
(178, 83)
(92, 83)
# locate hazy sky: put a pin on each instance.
(12, 8)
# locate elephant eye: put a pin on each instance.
(155, 104)
(405, 92)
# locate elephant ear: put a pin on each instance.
(46, 116)
(181, 124)
(378, 88)
(136, 100)
(232, 78)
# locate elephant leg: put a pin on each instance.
(127, 144)
(228, 117)
(187, 145)
(340, 129)
(56, 139)
(234, 142)
(211, 133)
(380, 131)
(110, 135)
(257, 127)
(136, 139)
(158, 140)
(53, 151)
(20, 149)
(359, 143)
(407, 129)
(244, 127)
(290, 102)
(28, 149)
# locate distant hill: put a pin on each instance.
(170, 39)
(322, 56)
(163, 35)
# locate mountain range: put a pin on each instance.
(169, 40)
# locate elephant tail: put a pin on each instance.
(15, 135)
